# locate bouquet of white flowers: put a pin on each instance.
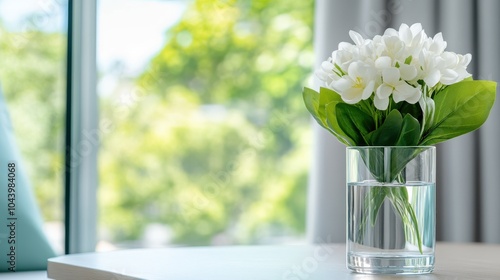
(398, 89)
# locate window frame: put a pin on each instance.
(82, 130)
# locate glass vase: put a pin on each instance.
(391, 198)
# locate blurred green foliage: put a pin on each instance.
(213, 138)
(33, 79)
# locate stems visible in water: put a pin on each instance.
(398, 196)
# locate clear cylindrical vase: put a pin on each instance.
(391, 216)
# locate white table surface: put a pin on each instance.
(453, 261)
(24, 275)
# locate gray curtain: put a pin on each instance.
(468, 178)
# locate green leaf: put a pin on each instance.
(327, 96)
(317, 103)
(460, 108)
(408, 60)
(340, 71)
(399, 199)
(311, 100)
(398, 161)
(410, 132)
(412, 109)
(388, 133)
(428, 110)
(355, 123)
(386, 164)
(372, 202)
(331, 120)
(377, 196)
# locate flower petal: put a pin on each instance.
(408, 72)
(437, 44)
(416, 28)
(342, 84)
(356, 38)
(327, 66)
(352, 95)
(383, 62)
(367, 92)
(432, 78)
(415, 97)
(391, 75)
(381, 103)
(344, 46)
(405, 92)
(391, 32)
(450, 59)
(464, 60)
(462, 73)
(449, 76)
(384, 91)
(322, 75)
(405, 34)
(355, 69)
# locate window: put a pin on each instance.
(209, 139)
(32, 78)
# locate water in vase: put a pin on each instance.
(391, 227)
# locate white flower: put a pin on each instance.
(400, 64)
(413, 37)
(344, 56)
(453, 67)
(436, 45)
(392, 47)
(358, 84)
(447, 68)
(356, 38)
(326, 74)
(395, 86)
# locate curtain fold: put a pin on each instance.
(326, 201)
(468, 166)
(488, 62)
(457, 183)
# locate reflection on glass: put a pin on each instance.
(209, 140)
(32, 78)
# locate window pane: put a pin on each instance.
(33, 79)
(210, 138)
